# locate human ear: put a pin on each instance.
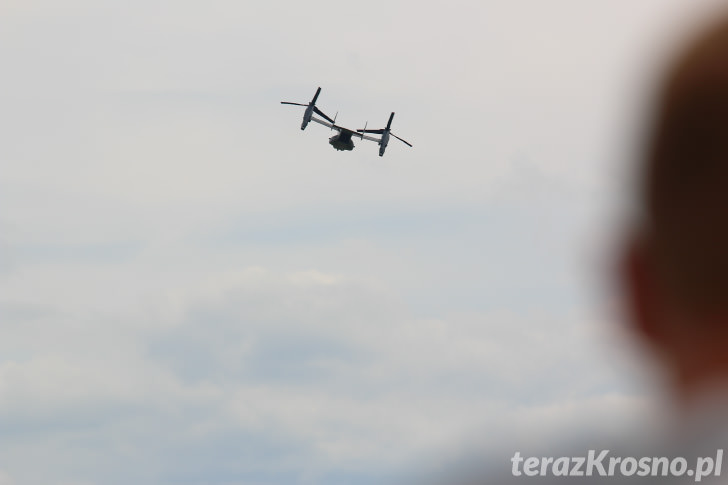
(640, 291)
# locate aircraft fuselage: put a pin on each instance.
(342, 141)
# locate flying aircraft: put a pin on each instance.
(343, 141)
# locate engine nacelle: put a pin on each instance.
(307, 117)
(383, 143)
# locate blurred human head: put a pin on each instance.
(686, 182)
(677, 263)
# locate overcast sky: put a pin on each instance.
(193, 290)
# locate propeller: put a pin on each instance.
(389, 123)
(381, 131)
(400, 139)
(315, 96)
(323, 115)
(312, 104)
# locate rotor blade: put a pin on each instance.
(389, 123)
(297, 104)
(378, 132)
(321, 113)
(315, 96)
(408, 143)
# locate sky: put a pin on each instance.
(193, 290)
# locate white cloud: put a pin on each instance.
(336, 371)
(6, 479)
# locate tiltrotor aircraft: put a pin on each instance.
(343, 141)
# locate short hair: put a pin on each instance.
(686, 178)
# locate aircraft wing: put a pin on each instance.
(326, 123)
(342, 129)
(365, 137)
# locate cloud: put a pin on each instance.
(261, 376)
(6, 479)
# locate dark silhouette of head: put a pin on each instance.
(677, 261)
